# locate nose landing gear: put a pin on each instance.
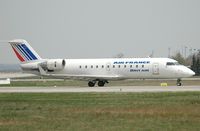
(178, 83)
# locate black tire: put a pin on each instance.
(179, 84)
(91, 83)
(101, 83)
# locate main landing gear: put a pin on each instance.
(100, 83)
(91, 83)
(178, 83)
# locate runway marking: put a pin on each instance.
(98, 89)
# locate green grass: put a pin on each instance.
(100, 111)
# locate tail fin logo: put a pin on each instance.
(23, 52)
(18, 55)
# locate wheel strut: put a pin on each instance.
(178, 83)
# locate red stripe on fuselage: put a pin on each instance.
(18, 55)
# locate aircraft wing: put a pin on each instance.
(80, 77)
(83, 77)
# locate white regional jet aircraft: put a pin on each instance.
(98, 71)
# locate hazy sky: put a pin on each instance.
(99, 28)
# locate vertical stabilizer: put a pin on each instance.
(24, 51)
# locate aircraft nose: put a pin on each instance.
(192, 73)
(188, 72)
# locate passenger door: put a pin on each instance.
(155, 69)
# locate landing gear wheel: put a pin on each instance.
(101, 83)
(91, 83)
(178, 83)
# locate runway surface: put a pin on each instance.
(98, 89)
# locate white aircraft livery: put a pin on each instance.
(98, 71)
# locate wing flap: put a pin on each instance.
(83, 77)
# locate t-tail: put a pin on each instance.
(24, 51)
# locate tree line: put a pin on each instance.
(192, 61)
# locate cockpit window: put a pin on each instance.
(172, 63)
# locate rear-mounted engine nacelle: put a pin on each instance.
(55, 64)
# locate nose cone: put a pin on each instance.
(185, 72)
(192, 73)
(189, 72)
